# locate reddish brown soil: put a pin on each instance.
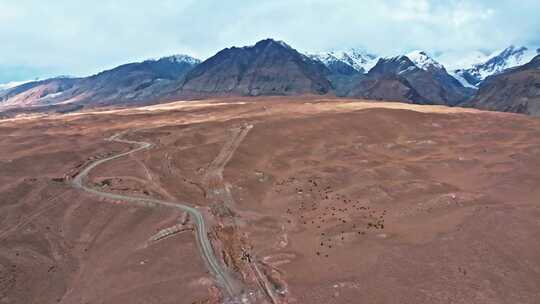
(336, 201)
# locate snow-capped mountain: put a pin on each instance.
(273, 67)
(394, 65)
(415, 77)
(495, 64)
(360, 61)
(415, 60)
(423, 61)
(513, 90)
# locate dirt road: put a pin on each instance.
(229, 284)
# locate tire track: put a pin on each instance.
(218, 191)
(213, 182)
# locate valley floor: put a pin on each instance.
(306, 200)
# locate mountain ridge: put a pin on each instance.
(513, 90)
(268, 67)
(136, 82)
(418, 80)
(496, 63)
(357, 60)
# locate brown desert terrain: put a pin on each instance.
(271, 200)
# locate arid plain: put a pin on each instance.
(305, 200)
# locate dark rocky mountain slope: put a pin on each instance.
(514, 90)
(272, 67)
(422, 81)
(268, 68)
(130, 83)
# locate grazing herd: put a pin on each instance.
(333, 217)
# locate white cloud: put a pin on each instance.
(411, 10)
(82, 37)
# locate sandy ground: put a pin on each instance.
(322, 201)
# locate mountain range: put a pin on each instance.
(505, 81)
(139, 82)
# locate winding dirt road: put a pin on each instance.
(229, 284)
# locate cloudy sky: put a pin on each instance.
(75, 37)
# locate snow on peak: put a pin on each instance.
(423, 61)
(324, 57)
(459, 75)
(181, 59)
(359, 60)
(495, 63)
(507, 58)
(283, 44)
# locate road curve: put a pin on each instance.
(223, 278)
